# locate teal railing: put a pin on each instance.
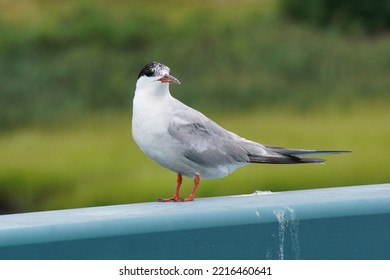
(332, 223)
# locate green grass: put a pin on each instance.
(95, 162)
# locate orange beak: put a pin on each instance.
(169, 79)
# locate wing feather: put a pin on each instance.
(205, 142)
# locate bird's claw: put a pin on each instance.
(176, 199)
(172, 199)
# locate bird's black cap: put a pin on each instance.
(154, 69)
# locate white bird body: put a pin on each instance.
(187, 142)
(153, 114)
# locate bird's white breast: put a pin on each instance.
(149, 119)
(152, 114)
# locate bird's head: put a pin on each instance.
(155, 74)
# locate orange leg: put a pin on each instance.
(176, 197)
(192, 195)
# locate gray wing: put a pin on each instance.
(205, 142)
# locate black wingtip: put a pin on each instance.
(311, 160)
(285, 159)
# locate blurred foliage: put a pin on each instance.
(369, 16)
(66, 59)
(68, 71)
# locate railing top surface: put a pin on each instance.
(260, 207)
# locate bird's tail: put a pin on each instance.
(301, 152)
(289, 156)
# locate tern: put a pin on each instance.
(190, 144)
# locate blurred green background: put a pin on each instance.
(277, 72)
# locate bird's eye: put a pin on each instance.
(149, 73)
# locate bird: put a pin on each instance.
(190, 144)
